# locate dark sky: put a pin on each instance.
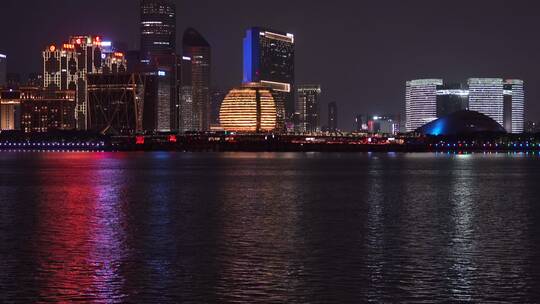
(361, 52)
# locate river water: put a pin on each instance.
(269, 227)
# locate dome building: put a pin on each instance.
(250, 108)
(461, 123)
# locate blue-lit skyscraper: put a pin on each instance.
(269, 60)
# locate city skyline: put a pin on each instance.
(379, 53)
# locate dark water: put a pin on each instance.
(269, 228)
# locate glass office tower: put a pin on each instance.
(158, 28)
(269, 60)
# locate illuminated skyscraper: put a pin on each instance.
(67, 67)
(486, 96)
(185, 96)
(158, 28)
(60, 68)
(307, 108)
(269, 60)
(421, 102)
(195, 90)
(514, 106)
(3, 69)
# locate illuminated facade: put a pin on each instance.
(514, 106)
(421, 102)
(67, 67)
(486, 96)
(60, 68)
(499, 99)
(195, 99)
(308, 108)
(186, 108)
(165, 101)
(250, 108)
(269, 60)
(158, 28)
(3, 69)
(47, 110)
(10, 110)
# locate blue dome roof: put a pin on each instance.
(461, 122)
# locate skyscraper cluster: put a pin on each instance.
(162, 89)
(158, 88)
(269, 62)
(499, 99)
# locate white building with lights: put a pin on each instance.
(501, 100)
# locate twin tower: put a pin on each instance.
(499, 99)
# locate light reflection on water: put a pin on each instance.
(268, 227)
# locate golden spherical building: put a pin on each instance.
(250, 108)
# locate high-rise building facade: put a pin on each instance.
(3, 69)
(308, 108)
(501, 100)
(165, 98)
(117, 103)
(269, 60)
(67, 68)
(486, 95)
(60, 68)
(45, 111)
(452, 98)
(195, 102)
(421, 102)
(383, 124)
(158, 28)
(332, 117)
(185, 96)
(10, 109)
(514, 106)
(216, 99)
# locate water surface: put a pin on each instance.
(269, 227)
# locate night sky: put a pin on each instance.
(361, 52)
